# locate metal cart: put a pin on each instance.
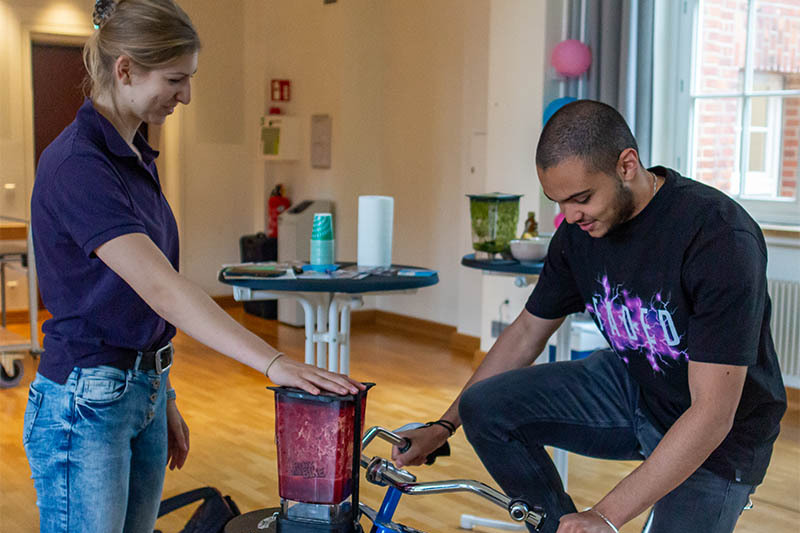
(13, 347)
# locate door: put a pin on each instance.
(58, 74)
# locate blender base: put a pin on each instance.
(254, 522)
(298, 526)
(261, 521)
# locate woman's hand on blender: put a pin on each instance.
(291, 373)
(424, 441)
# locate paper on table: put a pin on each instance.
(416, 272)
(252, 271)
(399, 271)
(335, 274)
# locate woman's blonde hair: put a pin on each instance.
(151, 32)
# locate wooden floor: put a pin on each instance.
(231, 417)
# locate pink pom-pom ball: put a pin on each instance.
(571, 58)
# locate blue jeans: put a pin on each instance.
(97, 448)
(589, 407)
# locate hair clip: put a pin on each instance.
(102, 12)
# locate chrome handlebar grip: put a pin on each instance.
(385, 434)
(382, 472)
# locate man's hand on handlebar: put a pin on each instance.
(424, 441)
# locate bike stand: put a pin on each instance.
(468, 522)
(560, 457)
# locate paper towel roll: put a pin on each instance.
(375, 217)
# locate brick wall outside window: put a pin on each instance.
(720, 69)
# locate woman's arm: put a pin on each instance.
(138, 261)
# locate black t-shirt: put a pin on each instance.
(683, 280)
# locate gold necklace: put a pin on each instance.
(655, 182)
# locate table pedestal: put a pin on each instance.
(561, 457)
(327, 323)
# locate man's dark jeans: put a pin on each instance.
(589, 407)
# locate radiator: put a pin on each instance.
(785, 324)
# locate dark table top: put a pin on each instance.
(507, 266)
(371, 283)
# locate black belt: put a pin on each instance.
(159, 360)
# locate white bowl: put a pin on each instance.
(530, 250)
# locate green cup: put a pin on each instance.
(322, 230)
(322, 252)
(322, 242)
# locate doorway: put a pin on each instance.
(57, 72)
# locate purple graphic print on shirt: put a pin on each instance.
(630, 325)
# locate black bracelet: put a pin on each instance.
(446, 424)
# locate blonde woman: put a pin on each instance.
(102, 423)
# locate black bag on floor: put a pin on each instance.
(212, 515)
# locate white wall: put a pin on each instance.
(216, 186)
(473, 171)
(406, 86)
(516, 81)
(423, 135)
(333, 56)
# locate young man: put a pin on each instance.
(674, 275)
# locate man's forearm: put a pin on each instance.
(685, 447)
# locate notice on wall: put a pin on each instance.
(321, 127)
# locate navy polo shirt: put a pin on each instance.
(90, 188)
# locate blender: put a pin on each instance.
(318, 439)
(493, 218)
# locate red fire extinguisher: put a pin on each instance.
(277, 204)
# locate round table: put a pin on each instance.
(327, 303)
(503, 266)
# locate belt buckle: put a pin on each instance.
(160, 369)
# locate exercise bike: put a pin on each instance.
(320, 459)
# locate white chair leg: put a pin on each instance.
(347, 304)
(333, 336)
(310, 318)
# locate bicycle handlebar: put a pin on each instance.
(382, 472)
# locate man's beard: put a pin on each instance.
(623, 205)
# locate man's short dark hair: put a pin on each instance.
(592, 131)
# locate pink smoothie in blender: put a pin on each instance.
(315, 440)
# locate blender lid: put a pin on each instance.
(292, 392)
(496, 196)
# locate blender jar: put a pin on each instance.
(315, 440)
(494, 218)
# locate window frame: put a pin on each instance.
(674, 102)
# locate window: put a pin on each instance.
(734, 121)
